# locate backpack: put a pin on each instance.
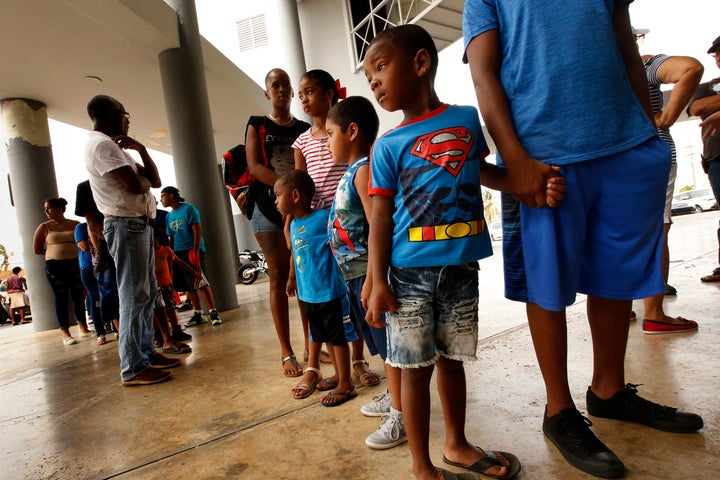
(237, 177)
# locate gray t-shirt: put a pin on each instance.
(711, 144)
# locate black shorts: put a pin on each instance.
(184, 281)
(327, 322)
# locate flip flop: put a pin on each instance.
(448, 475)
(490, 460)
(326, 384)
(293, 361)
(178, 347)
(348, 395)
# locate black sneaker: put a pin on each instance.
(179, 336)
(629, 406)
(570, 432)
(184, 306)
(196, 320)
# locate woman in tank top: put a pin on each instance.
(55, 240)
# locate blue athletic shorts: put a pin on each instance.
(437, 315)
(605, 239)
(375, 338)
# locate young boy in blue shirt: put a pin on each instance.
(316, 279)
(352, 127)
(427, 232)
(566, 86)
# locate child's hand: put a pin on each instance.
(291, 287)
(365, 293)
(555, 191)
(381, 300)
(529, 180)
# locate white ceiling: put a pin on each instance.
(63, 52)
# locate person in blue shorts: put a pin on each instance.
(427, 232)
(316, 280)
(566, 87)
(352, 127)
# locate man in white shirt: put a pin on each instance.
(121, 188)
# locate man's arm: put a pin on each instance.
(685, 73)
(527, 175)
(147, 171)
(713, 124)
(631, 58)
(702, 107)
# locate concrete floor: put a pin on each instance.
(227, 413)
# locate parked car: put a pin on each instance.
(496, 232)
(701, 200)
(681, 207)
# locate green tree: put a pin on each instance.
(489, 209)
(5, 259)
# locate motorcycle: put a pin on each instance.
(252, 265)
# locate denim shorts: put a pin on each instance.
(260, 223)
(437, 315)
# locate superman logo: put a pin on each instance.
(447, 148)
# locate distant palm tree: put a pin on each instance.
(6, 260)
(489, 208)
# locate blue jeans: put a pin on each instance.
(87, 275)
(130, 241)
(714, 177)
(64, 278)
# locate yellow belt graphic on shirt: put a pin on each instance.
(446, 232)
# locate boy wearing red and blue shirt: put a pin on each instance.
(427, 232)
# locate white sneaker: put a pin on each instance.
(390, 434)
(379, 406)
(69, 341)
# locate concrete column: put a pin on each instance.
(193, 150)
(286, 12)
(32, 176)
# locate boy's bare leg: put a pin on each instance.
(609, 323)
(207, 297)
(393, 377)
(340, 355)
(194, 298)
(323, 356)
(171, 316)
(160, 322)
(452, 388)
(549, 334)
(415, 392)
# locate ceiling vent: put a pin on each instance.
(252, 33)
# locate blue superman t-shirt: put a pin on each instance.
(430, 167)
